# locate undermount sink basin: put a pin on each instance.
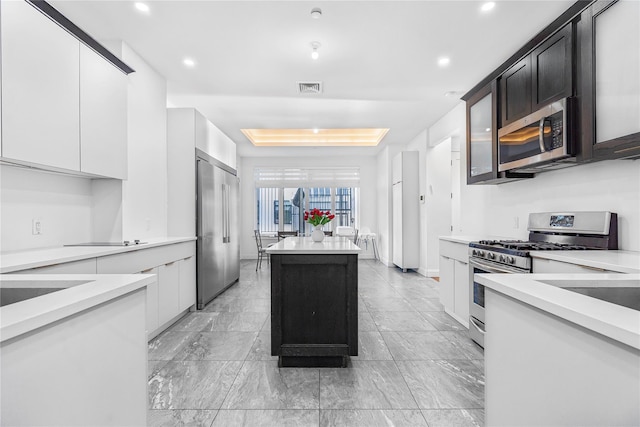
(622, 291)
(626, 297)
(13, 291)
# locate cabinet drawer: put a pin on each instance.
(458, 251)
(85, 266)
(143, 259)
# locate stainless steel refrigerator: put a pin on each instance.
(218, 247)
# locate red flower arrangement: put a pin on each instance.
(317, 217)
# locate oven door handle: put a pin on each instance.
(496, 269)
(474, 322)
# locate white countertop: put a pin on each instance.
(621, 261)
(616, 322)
(305, 245)
(468, 239)
(82, 291)
(22, 260)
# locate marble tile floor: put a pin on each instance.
(416, 365)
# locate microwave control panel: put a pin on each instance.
(556, 138)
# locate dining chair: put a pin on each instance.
(366, 236)
(350, 232)
(285, 234)
(261, 250)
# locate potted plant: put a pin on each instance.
(318, 219)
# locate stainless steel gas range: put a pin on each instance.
(547, 231)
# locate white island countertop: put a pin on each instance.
(305, 245)
(545, 292)
(620, 261)
(33, 258)
(80, 292)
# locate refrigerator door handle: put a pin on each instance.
(224, 214)
(228, 213)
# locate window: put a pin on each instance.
(280, 206)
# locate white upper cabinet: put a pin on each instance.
(40, 89)
(64, 107)
(103, 116)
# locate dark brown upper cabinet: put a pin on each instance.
(482, 137)
(609, 87)
(543, 76)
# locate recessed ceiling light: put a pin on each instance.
(488, 6)
(316, 13)
(314, 50)
(316, 130)
(189, 62)
(487, 130)
(311, 138)
(453, 93)
(142, 7)
(444, 61)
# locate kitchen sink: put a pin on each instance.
(13, 291)
(13, 295)
(620, 291)
(626, 297)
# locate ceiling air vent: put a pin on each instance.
(310, 87)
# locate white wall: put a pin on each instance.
(62, 203)
(246, 165)
(145, 192)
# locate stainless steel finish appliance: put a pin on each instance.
(538, 142)
(218, 247)
(547, 231)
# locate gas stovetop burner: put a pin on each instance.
(522, 245)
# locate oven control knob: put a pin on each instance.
(481, 253)
(474, 252)
(511, 260)
(502, 258)
(491, 255)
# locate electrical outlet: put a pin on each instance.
(36, 226)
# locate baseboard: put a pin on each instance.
(434, 272)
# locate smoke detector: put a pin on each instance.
(316, 13)
(309, 87)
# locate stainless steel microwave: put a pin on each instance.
(540, 141)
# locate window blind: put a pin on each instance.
(265, 177)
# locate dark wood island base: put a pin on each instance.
(314, 308)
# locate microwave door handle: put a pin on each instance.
(541, 134)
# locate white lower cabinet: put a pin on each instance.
(152, 303)
(174, 290)
(461, 286)
(447, 293)
(187, 296)
(168, 291)
(454, 280)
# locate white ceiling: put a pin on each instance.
(378, 59)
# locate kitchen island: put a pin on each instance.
(73, 349)
(555, 355)
(314, 301)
